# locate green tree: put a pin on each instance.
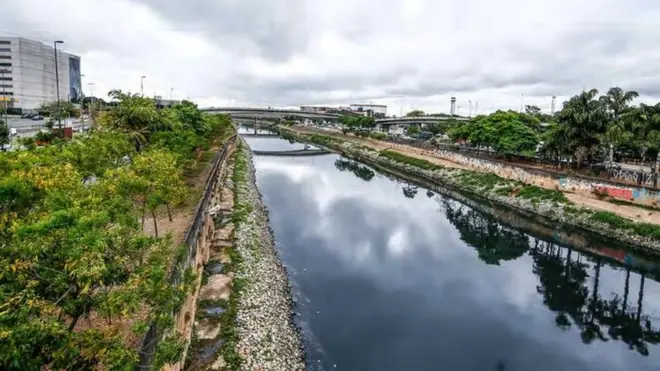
(584, 117)
(412, 130)
(617, 105)
(136, 116)
(513, 137)
(416, 113)
(5, 135)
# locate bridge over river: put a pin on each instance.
(294, 152)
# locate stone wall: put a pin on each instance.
(199, 238)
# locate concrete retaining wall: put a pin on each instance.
(544, 179)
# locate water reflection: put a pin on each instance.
(360, 171)
(428, 283)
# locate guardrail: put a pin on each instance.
(152, 337)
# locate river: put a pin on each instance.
(389, 276)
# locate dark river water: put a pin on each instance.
(388, 276)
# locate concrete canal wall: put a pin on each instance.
(572, 183)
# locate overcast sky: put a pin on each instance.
(291, 52)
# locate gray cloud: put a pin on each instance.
(291, 52)
(271, 29)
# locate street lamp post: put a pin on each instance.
(57, 85)
(142, 85)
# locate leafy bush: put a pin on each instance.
(322, 140)
(642, 229)
(378, 135)
(535, 193)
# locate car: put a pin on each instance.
(27, 116)
(37, 117)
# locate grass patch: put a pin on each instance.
(416, 162)
(322, 140)
(481, 181)
(537, 194)
(504, 191)
(642, 229)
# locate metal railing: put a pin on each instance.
(152, 337)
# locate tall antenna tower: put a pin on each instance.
(552, 105)
(452, 109)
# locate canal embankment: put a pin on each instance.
(262, 335)
(525, 198)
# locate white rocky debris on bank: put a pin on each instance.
(267, 336)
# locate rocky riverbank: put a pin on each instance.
(266, 337)
(521, 197)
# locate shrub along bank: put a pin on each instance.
(551, 204)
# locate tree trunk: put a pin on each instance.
(626, 289)
(169, 213)
(144, 211)
(74, 321)
(153, 215)
(640, 298)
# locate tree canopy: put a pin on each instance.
(80, 282)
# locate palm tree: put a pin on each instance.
(617, 104)
(584, 117)
(136, 116)
(644, 123)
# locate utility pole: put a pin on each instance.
(57, 86)
(142, 85)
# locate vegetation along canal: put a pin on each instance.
(389, 276)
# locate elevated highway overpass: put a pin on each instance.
(419, 120)
(241, 112)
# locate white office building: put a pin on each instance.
(27, 74)
(377, 110)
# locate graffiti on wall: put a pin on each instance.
(630, 193)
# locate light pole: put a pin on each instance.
(470, 111)
(142, 85)
(57, 85)
(171, 92)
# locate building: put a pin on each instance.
(28, 80)
(319, 109)
(375, 110)
(162, 103)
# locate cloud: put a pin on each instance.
(292, 52)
